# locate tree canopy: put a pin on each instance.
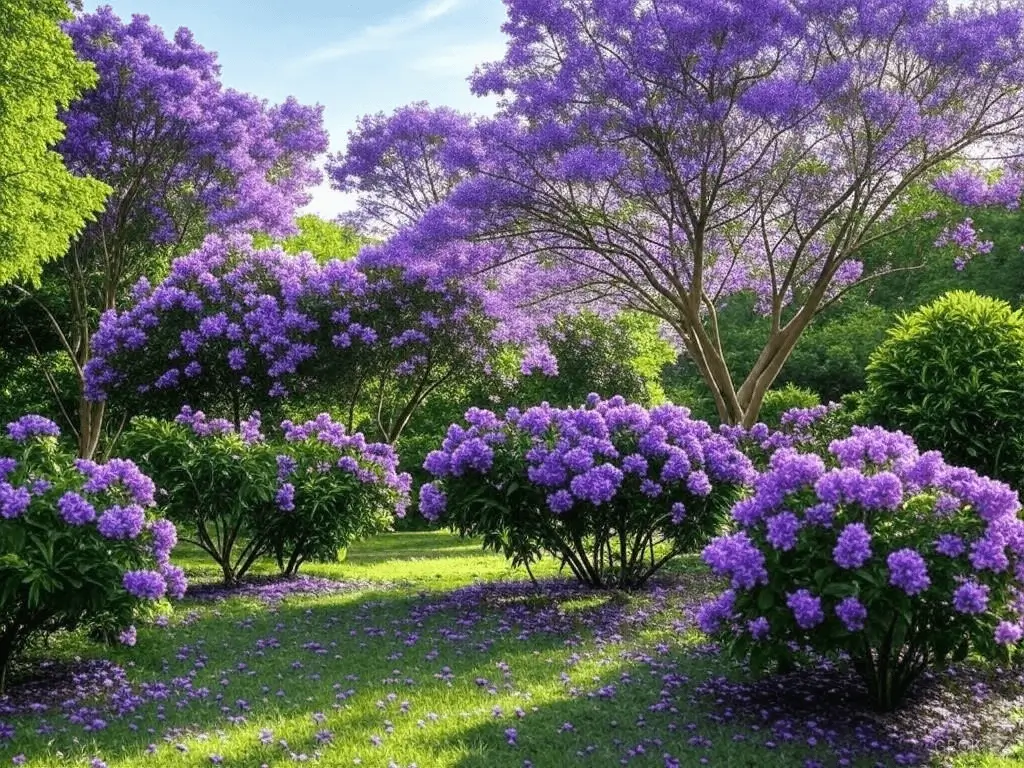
(42, 204)
(663, 157)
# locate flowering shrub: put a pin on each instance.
(77, 549)
(241, 496)
(234, 329)
(877, 551)
(612, 489)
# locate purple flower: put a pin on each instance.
(285, 498)
(989, 553)
(147, 585)
(714, 614)
(806, 608)
(122, 522)
(852, 613)
(433, 501)
(971, 597)
(175, 579)
(31, 426)
(950, 545)
(678, 512)
(128, 636)
(597, 485)
(908, 571)
(560, 501)
(759, 628)
(782, 530)
(853, 546)
(75, 509)
(738, 557)
(698, 483)
(14, 500)
(1008, 633)
(165, 538)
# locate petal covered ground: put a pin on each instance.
(420, 651)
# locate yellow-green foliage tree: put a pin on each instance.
(42, 204)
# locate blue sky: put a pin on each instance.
(353, 56)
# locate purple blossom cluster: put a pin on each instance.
(579, 456)
(31, 426)
(874, 514)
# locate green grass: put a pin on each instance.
(387, 647)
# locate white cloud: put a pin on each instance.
(382, 37)
(460, 59)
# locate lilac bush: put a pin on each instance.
(876, 551)
(612, 489)
(77, 546)
(302, 494)
(333, 489)
(234, 329)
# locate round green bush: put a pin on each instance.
(952, 375)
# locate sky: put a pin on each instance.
(355, 57)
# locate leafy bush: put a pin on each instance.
(335, 489)
(778, 401)
(77, 549)
(876, 551)
(613, 490)
(304, 496)
(951, 374)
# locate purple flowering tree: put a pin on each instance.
(662, 157)
(402, 164)
(611, 489)
(872, 550)
(77, 546)
(184, 156)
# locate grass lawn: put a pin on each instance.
(433, 655)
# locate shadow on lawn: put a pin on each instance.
(812, 717)
(238, 664)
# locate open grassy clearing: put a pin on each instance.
(437, 655)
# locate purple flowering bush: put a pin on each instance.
(234, 328)
(612, 489)
(77, 547)
(240, 496)
(873, 550)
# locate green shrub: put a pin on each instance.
(77, 549)
(305, 495)
(875, 552)
(952, 375)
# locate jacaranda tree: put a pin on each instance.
(664, 156)
(402, 164)
(184, 155)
